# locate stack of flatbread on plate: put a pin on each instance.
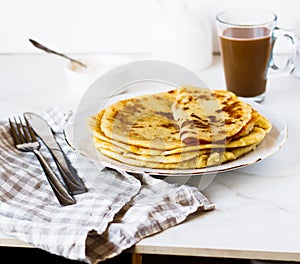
(184, 128)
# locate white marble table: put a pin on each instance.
(257, 213)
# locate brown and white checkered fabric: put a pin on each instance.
(105, 221)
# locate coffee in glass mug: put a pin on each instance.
(247, 38)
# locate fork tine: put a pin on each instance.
(30, 130)
(25, 132)
(21, 137)
(13, 132)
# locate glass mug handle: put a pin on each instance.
(274, 70)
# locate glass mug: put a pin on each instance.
(247, 38)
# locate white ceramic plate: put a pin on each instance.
(146, 77)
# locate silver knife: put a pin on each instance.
(45, 133)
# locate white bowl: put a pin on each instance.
(80, 78)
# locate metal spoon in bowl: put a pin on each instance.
(42, 47)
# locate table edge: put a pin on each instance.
(218, 253)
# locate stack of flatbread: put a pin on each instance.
(184, 128)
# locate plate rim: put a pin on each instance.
(118, 165)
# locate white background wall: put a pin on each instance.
(117, 26)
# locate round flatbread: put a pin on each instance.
(198, 162)
(144, 121)
(184, 128)
(206, 115)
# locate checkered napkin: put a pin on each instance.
(122, 210)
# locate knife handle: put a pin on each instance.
(58, 188)
(68, 173)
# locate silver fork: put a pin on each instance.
(25, 140)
